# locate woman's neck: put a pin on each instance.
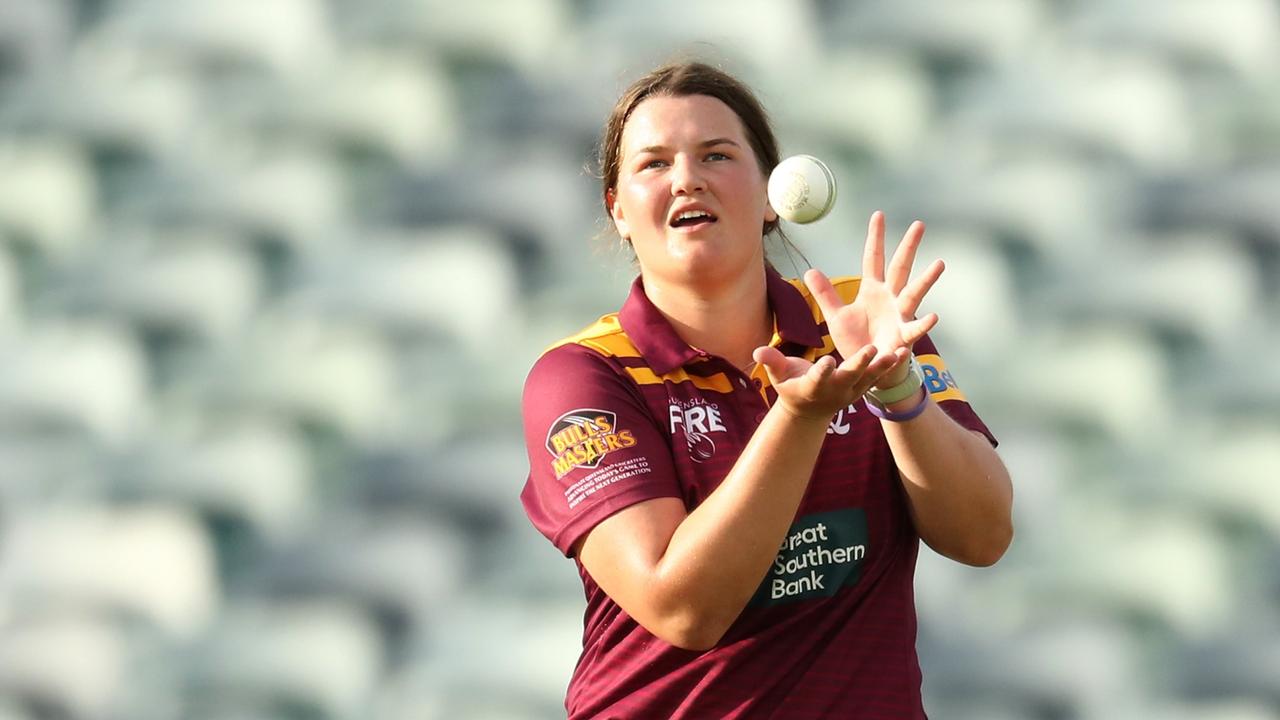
(730, 322)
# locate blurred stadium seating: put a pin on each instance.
(271, 274)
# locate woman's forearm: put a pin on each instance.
(720, 553)
(958, 489)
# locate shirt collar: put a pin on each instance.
(665, 351)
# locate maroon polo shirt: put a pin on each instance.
(626, 411)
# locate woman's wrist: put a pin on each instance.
(907, 382)
(908, 402)
(903, 401)
(902, 410)
(815, 418)
(900, 375)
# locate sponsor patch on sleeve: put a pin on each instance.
(582, 438)
(938, 380)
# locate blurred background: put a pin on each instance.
(272, 273)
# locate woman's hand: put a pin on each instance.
(818, 390)
(883, 313)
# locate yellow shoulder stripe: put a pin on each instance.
(605, 336)
(718, 382)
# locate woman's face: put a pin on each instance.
(690, 194)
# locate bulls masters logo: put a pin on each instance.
(581, 439)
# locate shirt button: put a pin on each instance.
(757, 383)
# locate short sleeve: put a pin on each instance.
(594, 448)
(944, 389)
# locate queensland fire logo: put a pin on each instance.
(581, 439)
(699, 419)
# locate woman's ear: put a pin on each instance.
(770, 215)
(615, 211)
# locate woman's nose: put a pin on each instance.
(686, 178)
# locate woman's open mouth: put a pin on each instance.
(693, 219)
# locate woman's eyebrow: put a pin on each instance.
(704, 144)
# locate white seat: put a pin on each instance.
(395, 101)
(1085, 665)
(758, 33)
(1034, 448)
(169, 280)
(10, 709)
(1126, 371)
(881, 102)
(1129, 105)
(237, 708)
(286, 37)
(542, 640)
(1125, 560)
(148, 562)
(10, 294)
(321, 655)
(985, 32)
(976, 298)
(532, 563)
(1239, 199)
(481, 471)
(49, 193)
(1239, 664)
(363, 559)
(1214, 386)
(253, 470)
(457, 279)
(1241, 36)
(296, 191)
(1203, 283)
(525, 33)
(83, 375)
(1059, 207)
(1229, 465)
(1241, 708)
(308, 367)
(40, 468)
(953, 599)
(120, 93)
(244, 178)
(39, 32)
(73, 664)
(979, 709)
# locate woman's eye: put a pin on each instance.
(717, 156)
(653, 164)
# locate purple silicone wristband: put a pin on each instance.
(903, 416)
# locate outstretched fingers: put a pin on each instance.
(886, 362)
(829, 300)
(904, 257)
(916, 329)
(768, 355)
(873, 251)
(856, 364)
(779, 367)
(913, 294)
(820, 370)
(865, 367)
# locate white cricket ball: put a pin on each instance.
(802, 189)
